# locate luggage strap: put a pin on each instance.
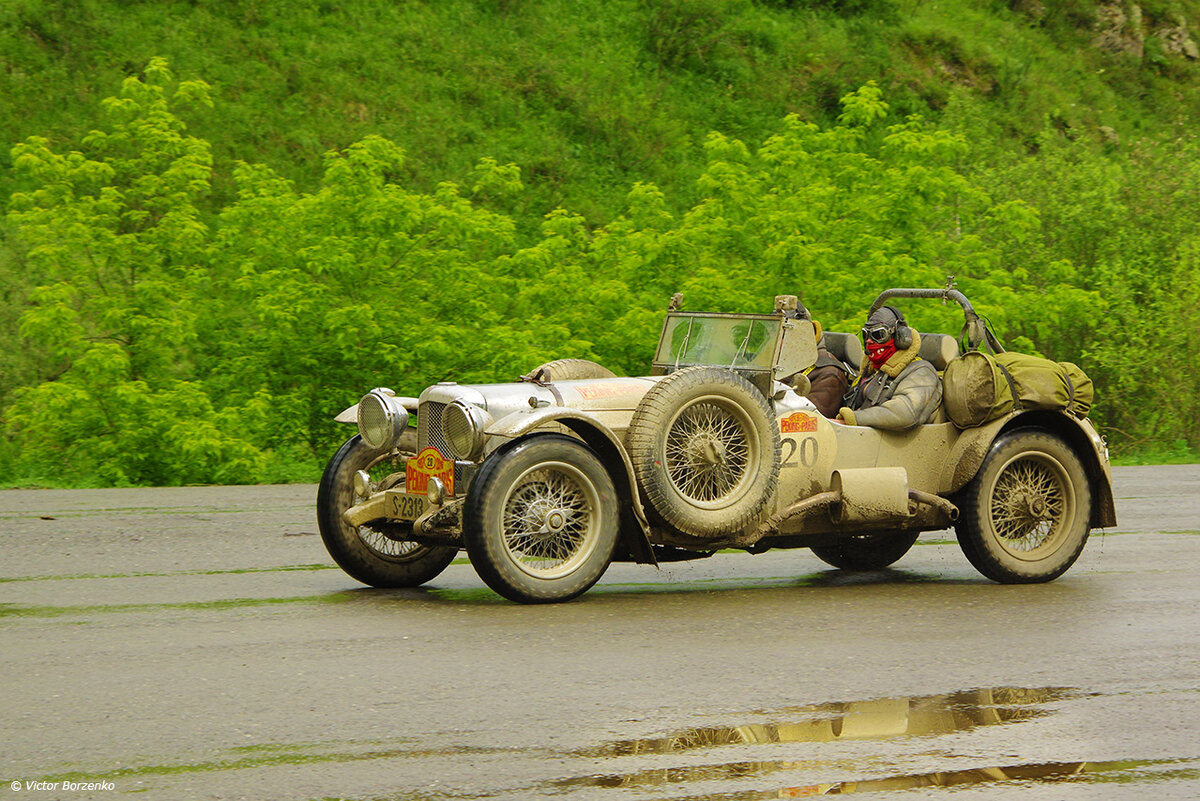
(1011, 386)
(1070, 389)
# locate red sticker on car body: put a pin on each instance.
(797, 422)
(608, 390)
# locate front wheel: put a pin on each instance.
(377, 556)
(1025, 516)
(540, 520)
(868, 552)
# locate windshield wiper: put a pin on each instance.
(683, 346)
(741, 351)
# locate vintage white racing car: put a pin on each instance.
(546, 480)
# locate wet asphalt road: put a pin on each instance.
(198, 643)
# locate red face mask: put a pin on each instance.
(879, 353)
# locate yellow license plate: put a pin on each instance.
(407, 507)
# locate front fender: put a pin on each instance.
(601, 439)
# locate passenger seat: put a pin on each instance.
(940, 349)
(847, 348)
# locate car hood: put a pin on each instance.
(592, 394)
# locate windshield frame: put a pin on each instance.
(720, 345)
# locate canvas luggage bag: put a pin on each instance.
(975, 390)
(979, 387)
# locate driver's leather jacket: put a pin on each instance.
(903, 393)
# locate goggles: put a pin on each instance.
(878, 333)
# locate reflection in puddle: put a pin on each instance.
(1092, 772)
(1049, 772)
(862, 720)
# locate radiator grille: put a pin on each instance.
(429, 427)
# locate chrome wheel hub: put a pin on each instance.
(550, 520)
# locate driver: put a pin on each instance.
(897, 390)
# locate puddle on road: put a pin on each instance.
(817, 773)
(858, 720)
(1049, 772)
(879, 719)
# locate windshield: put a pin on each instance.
(727, 340)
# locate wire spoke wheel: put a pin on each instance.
(1026, 515)
(387, 543)
(540, 520)
(704, 446)
(379, 554)
(709, 451)
(1031, 504)
(550, 520)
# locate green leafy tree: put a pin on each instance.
(1121, 231)
(833, 215)
(111, 238)
(177, 347)
(361, 283)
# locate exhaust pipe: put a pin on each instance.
(929, 499)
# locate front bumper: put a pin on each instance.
(393, 504)
(440, 523)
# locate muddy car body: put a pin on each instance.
(546, 480)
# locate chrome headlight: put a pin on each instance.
(380, 419)
(463, 425)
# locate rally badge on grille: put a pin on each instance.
(426, 464)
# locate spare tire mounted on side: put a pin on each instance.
(705, 451)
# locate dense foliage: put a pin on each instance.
(171, 315)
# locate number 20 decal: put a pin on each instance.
(808, 449)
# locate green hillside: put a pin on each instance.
(294, 202)
(588, 97)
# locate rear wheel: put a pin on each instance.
(540, 520)
(868, 552)
(1025, 516)
(375, 555)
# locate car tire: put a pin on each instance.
(705, 450)
(570, 370)
(541, 519)
(1025, 516)
(374, 556)
(867, 552)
